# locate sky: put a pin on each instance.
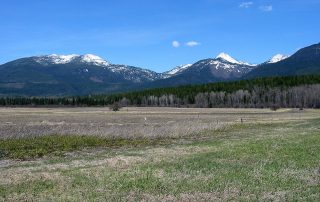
(158, 34)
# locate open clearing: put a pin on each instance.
(195, 155)
(132, 122)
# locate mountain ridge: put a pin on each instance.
(56, 75)
(304, 61)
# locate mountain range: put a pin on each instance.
(61, 75)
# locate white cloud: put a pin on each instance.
(247, 4)
(192, 43)
(176, 44)
(268, 8)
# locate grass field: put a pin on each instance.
(172, 155)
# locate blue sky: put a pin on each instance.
(157, 34)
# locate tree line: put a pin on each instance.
(295, 91)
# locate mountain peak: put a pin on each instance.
(64, 59)
(227, 58)
(90, 58)
(277, 58)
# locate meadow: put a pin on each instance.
(159, 154)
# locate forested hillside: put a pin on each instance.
(295, 91)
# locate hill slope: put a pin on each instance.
(305, 61)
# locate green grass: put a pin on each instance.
(29, 148)
(254, 166)
(245, 162)
(272, 166)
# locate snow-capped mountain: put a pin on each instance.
(221, 68)
(222, 61)
(224, 66)
(129, 73)
(71, 74)
(277, 58)
(304, 61)
(227, 58)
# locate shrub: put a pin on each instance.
(274, 108)
(115, 107)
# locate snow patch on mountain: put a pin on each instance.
(56, 59)
(134, 74)
(178, 69)
(277, 58)
(64, 59)
(217, 64)
(94, 59)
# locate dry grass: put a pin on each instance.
(131, 122)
